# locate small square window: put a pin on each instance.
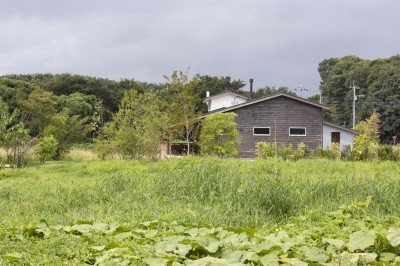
(297, 131)
(261, 131)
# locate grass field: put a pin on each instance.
(199, 192)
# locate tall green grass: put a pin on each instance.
(194, 190)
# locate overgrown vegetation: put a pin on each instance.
(215, 191)
(201, 210)
(219, 136)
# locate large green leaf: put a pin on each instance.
(210, 243)
(387, 257)
(270, 259)
(295, 262)
(123, 236)
(315, 254)
(361, 240)
(209, 261)
(394, 236)
(100, 227)
(82, 228)
(156, 262)
(335, 242)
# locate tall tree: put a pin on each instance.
(137, 127)
(67, 130)
(182, 109)
(336, 79)
(14, 137)
(37, 110)
(368, 138)
(377, 83)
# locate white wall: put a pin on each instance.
(224, 100)
(346, 137)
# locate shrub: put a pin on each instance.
(396, 153)
(264, 150)
(286, 152)
(46, 148)
(319, 152)
(373, 151)
(302, 151)
(386, 152)
(103, 149)
(219, 135)
(335, 149)
(346, 153)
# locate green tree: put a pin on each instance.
(219, 135)
(67, 130)
(76, 103)
(46, 148)
(136, 129)
(14, 137)
(267, 91)
(37, 110)
(378, 82)
(368, 138)
(11, 90)
(337, 76)
(181, 110)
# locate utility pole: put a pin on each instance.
(354, 103)
(300, 89)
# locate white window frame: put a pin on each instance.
(262, 134)
(296, 135)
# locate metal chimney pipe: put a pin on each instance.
(251, 88)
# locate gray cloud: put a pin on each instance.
(275, 42)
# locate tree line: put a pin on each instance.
(377, 85)
(126, 117)
(54, 111)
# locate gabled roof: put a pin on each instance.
(234, 107)
(225, 92)
(342, 128)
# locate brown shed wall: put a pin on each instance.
(285, 113)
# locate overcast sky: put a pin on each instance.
(275, 42)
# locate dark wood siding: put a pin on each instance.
(284, 113)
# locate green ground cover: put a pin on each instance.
(298, 212)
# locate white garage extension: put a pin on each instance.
(336, 134)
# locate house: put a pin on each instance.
(279, 118)
(224, 100)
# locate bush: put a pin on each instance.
(346, 153)
(46, 148)
(373, 151)
(263, 150)
(396, 153)
(386, 152)
(219, 135)
(286, 152)
(335, 149)
(319, 152)
(301, 152)
(103, 149)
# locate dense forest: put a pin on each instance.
(377, 85)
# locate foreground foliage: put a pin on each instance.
(344, 237)
(220, 192)
(202, 211)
